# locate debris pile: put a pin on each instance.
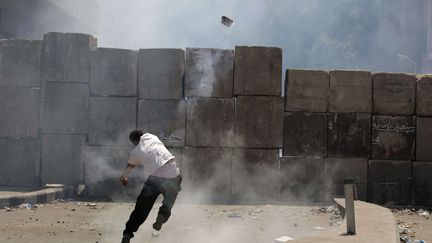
(333, 213)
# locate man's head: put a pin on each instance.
(135, 136)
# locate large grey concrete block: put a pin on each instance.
(66, 57)
(423, 140)
(393, 137)
(349, 135)
(103, 166)
(305, 134)
(301, 178)
(306, 90)
(164, 118)
(206, 174)
(19, 162)
(255, 174)
(389, 181)
(424, 96)
(160, 73)
(63, 159)
(19, 109)
(259, 122)
(65, 107)
(258, 70)
(394, 93)
(210, 122)
(111, 119)
(209, 72)
(113, 72)
(422, 183)
(337, 169)
(350, 91)
(20, 63)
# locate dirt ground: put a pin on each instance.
(414, 224)
(74, 221)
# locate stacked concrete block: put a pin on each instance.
(19, 109)
(113, 72)
(164, 118)
(306, 90)
(111, 119)
(301, 178)
(64, 108)
(160, 73)
(393, 138)
(20, 63)
(19, 162)
(103, 165)
(66, 57)
(209, 72)
(210, 122)
(423, 141)
(338, 169)
(424, 96)
(389, 182)
(63, 159)
(206, 174)
(394, 94)
(350, 91)
(422, 183)
(258, 71)
(349, 135)
(305, 134)
(255, 174)
(259, 122)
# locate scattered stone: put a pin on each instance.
(283, 239)
(234, 215)
(155, 234)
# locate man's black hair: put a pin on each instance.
(135, 136)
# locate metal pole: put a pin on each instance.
(349, 206)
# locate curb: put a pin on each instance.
(42, 195)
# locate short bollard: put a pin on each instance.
(349, 206)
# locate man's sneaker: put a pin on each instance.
(157, 225)
(126, 238)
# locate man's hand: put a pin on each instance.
(124, 180)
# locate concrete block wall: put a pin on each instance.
(223, 114)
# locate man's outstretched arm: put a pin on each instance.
(126, 171)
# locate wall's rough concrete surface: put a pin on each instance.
(19, 109)
(258, 71)
(164, 118)
(393, 137)
(206, 174)
(20, 63)
(389, 182)
(394, 94)
(64, 108)
(113, 72)
(337, 169)
(305, 134)
(160, 73)
(259, 122)
(111, 119)
(19, 162)
(255, 174)
(350, 91)
(210, 122)
(422, 183)
(424, 139)
(209, 72)
(349, 135)
(306, 90)
(66, 57)
(424, 96)
(301, 178)
(63, 159)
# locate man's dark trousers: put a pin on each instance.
(169, 187)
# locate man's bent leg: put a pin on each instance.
(143, 206)
(171, 188)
